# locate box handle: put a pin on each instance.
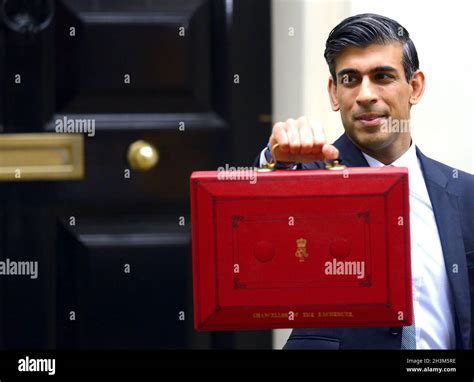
(328, 164)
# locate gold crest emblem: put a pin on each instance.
(301, 249)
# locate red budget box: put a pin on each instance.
(309, 248)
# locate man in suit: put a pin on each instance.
(375, 80)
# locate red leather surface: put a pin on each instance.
(305, 249)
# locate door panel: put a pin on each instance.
(163, 46)
(131, 278)
(113, 248)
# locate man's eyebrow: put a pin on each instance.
(383, 68)
(347, 71)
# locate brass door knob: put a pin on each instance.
(142, 156)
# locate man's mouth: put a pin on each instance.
(371, 119)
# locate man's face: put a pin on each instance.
(371, 87)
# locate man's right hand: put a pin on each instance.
(300, 142)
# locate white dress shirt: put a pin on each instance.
(432, 300)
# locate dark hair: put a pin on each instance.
(366, 29)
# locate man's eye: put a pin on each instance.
(347, 79)
(383, 76)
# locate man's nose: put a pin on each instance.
(367, 92)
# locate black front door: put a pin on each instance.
(106, 107)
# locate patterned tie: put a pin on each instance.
(409, 337)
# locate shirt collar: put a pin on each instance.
(407, 159)
(416, 182)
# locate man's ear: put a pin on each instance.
(332, 94)
(417, 85)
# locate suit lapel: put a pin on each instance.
(446, 212)
(349, 154)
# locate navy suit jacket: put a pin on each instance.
(452, 197)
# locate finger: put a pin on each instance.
(318, 133)
(306, 135)
(293, 136)
(306, 139)
(280, 136)
(330, 152)
(303, 121)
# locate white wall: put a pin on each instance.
(443, 122)
(287, 62)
